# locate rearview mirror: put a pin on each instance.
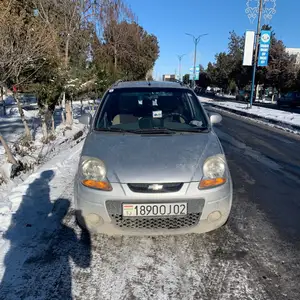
(215, 118)
(85, 119)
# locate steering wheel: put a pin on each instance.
(176, 115)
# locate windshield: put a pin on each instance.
(151, 109)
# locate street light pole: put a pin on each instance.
(256, 50)
(180, 58)
(196, 41)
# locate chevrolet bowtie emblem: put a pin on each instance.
(155, 187)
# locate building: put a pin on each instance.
(169, 77)
(296, 52)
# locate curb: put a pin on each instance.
(252, 116)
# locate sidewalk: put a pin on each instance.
(283, 119)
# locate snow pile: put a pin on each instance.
(266, 101)
(269, 114)
(31, 154)
(31, 113)
(226, 96)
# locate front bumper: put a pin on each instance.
(91, 204)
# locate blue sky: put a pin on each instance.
(169, 20)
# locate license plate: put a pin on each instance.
(153, 210)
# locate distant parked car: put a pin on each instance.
(9, 100)
(243, 96)
(210, 93)
(291, 99)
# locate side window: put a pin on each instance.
(196, 108)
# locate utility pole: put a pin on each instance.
(256, 51)
(196, 41)
(180, 59)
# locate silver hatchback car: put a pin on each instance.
(151, 164)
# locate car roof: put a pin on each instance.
(148, 84)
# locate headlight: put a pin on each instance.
(94, 174)
(214, 170)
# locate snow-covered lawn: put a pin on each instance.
(269, 114)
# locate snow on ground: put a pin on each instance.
(284, 117)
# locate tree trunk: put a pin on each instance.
(257, 91)
(44, 114)
(45, 130)
(63, 117)
(115, 59)
(27, 130)
(10, 157)
(69, 119)
(2, 100)
(52, 124)
(67, 51)
(81, 106)
(63, 104)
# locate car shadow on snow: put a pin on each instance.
(42, 247)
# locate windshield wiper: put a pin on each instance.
(137, 131)
(193, 129)
(154, 130)
(114, 129)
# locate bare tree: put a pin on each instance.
(66, 18)
(24, 45)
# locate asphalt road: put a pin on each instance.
(255, 256)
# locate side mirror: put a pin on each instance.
(85, 119)
(215, 118)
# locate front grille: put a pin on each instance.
(191, 219)
(166, 187)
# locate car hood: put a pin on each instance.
(150, 159)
